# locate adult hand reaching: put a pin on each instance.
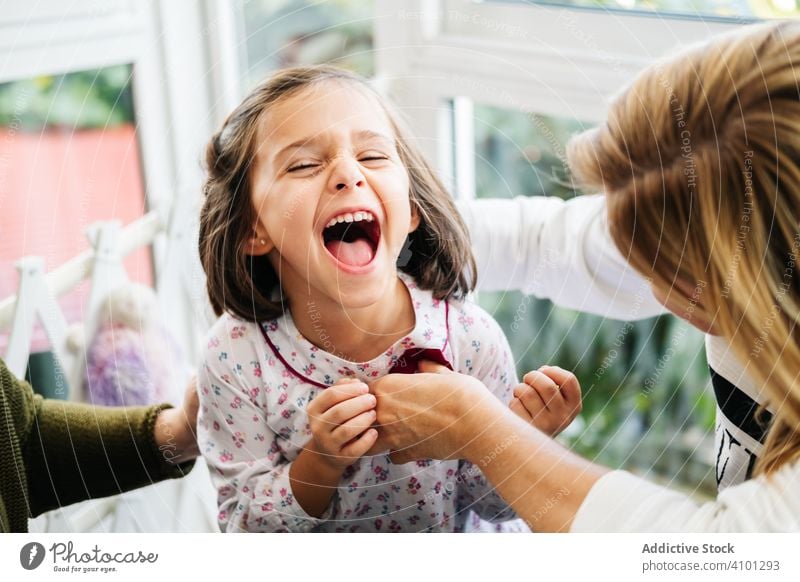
(440, 414)
(435, 414)
(175, 429)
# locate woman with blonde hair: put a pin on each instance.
(699, 160)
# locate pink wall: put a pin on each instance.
(52, 186)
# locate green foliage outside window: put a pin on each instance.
(285, 33)
(77, 100)
(647, 400)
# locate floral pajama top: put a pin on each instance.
(255, 384)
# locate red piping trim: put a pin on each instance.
(446, 325)
(285, 363)
(320, 385)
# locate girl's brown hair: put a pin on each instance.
(440, 260)
(700, 162)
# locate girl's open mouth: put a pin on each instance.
(352, 238)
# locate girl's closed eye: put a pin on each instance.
(373, 157)
(301, 166)
(311, 167)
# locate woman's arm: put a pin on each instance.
(65, 452)
(545, 483)
(445, 415)
(487, 357)
(621, 502)
(449, 416)
(556, 249)
(175, 432)
(75, 452)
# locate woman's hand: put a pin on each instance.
(549, 399)
(443, 415)
(434, 414)
(175, 430)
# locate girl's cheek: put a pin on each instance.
(292, 207)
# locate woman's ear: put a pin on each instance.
(258, 244)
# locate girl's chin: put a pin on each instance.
(356, 292)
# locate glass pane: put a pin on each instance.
(646, 402)
(68, 157)
(285, 33)
(521, 153)
(720, 8)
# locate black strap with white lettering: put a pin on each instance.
(739, 408)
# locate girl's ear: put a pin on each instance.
(414, 219)
(258, 244)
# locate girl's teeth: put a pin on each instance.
(357, 217)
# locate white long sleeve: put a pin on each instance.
(559, 250)
(621, 502)
(251, 475)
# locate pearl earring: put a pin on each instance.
(263, 242)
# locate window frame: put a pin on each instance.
(554, 60)
(180, 91)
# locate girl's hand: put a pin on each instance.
(549, 399)
(341, 418)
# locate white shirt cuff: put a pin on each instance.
(621, 502)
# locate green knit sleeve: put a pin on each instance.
(76, 452)
(16, 416)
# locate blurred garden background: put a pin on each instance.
(648, 405)
(647, 402)
(69, 142)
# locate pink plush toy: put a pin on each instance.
(132, 359)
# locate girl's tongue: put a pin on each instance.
(352, 243)
(356, 254)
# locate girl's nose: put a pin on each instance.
(346, 175)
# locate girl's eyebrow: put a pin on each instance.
(300, 143)
(367, 134)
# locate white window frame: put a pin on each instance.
(552, 60)
(181, 88)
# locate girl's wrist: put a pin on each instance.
(313, 482)
(324, 466)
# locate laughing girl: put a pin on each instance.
(334, 256)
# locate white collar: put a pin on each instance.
(316, 366)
